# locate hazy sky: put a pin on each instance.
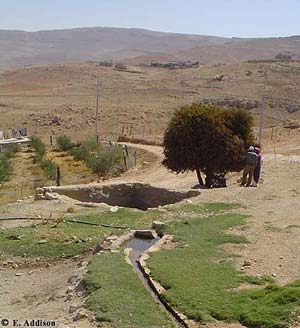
(242, 18)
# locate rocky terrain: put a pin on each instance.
(137, 103)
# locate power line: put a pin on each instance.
(48, 96)
(97, 111)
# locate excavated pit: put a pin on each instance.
(134, 195)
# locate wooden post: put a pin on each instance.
(22, 187)
(51, 141)
(57, 176)
(97, 112)
(135, 157)
(272, 132)
(125, 162)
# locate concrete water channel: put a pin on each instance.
(138, 246)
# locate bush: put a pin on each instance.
(39, 148)
(49, 168)
(83, 151)
(6, 168)
(64, 143)
(11, 150)
(104, 160)
(206, 138)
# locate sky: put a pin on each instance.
(228, 18)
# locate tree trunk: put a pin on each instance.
(201, 183)
(208, 179)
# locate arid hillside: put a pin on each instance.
(231, 52)
(138, 103)
(19, 48)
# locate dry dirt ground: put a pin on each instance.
(273, 231)
(61, 99)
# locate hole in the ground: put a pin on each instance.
(133, 195)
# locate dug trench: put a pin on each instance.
(133, 195)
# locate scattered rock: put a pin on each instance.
(18, 274)
(233, 102)
(114, 209)
(246, 263)
(158, 226)
(69, 290)
(39, 191)
(39, 197)
(73, 308)
(79, 316)
(51, 196)
(112, 238)
(43, 241)
(69, 297)
(83, 264)
(14, 237)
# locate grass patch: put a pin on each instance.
(68, 239)
(118, 297)
(202, 208)
(201, 283)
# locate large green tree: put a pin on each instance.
(208, 139)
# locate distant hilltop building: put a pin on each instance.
(106, 63)
(120, 67)
(175, 65)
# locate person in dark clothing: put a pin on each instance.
(257, 170)
(251, 160)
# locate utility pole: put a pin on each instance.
(97, 111)
(262, 109)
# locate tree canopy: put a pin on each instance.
(206, 138)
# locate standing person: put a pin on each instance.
(251, 162)
(257, 169)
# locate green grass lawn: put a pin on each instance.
(118, 297)
(68, 239)
(201, 280)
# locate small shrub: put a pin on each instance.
(64, 143)
(11, 150)
(105, 160)
(39, 148)
(82, 152)
(49, 168)
(6, 168)
(71, 210)
(79, 153)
